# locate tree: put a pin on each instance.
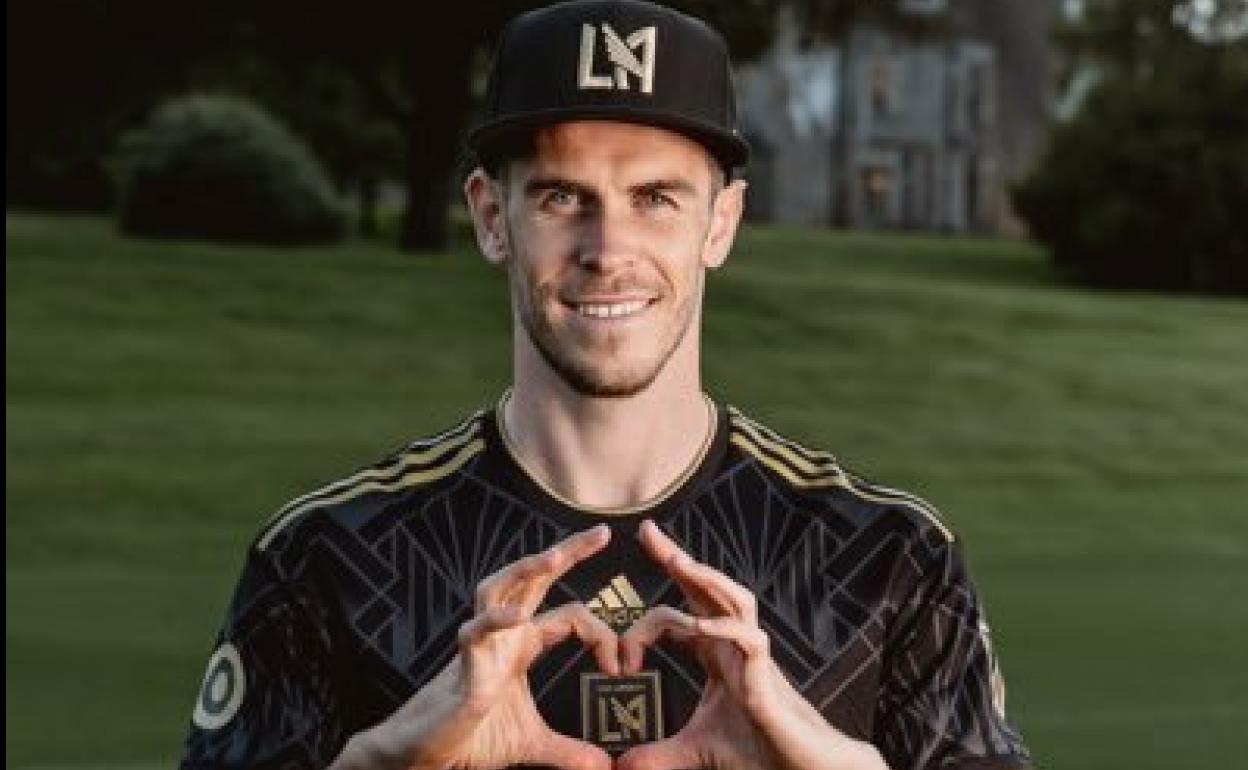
(81, 71)
(1145, 186)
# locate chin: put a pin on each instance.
(590, 376)
(595, 382)
(619, 367)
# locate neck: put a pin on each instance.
(609, 453)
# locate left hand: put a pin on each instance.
(749, 717)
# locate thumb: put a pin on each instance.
(560, 751)
(671, 754)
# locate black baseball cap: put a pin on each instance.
(626, 60)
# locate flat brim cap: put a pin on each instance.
(625, 60)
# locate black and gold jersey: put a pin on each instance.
(351, 598)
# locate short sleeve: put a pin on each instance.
(943, 704)
(268, 697)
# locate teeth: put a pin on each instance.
(612, 310)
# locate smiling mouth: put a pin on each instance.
(603, 310)
(611, 309)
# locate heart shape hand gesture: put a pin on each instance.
(479, 714)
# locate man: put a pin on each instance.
(608, 567)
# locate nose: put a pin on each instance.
(608, 239)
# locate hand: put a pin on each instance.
(749, 716)
(478, 713)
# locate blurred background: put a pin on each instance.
(997, 254)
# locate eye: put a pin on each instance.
(653, 198)
(561, 197)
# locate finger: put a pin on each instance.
(526, 581)
(490, 620)
(558, 559)
(681, 627)
(749, 638)
(697, 580)
(675, 753)
(657, 623)
(560, 751)
(575, 619)
(663, 550)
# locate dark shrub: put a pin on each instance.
(220, 167)
(1147, 187)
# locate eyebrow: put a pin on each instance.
(539, 185)
(678, 186)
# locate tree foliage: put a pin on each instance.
(1145, 187)
(79, 72)
(220, 167)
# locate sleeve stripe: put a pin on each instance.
(802, 470)
(417, 453)
(412, 478)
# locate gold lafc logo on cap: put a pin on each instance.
(617, 604)
(621, 53)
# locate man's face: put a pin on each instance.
(606, 233)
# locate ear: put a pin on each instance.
(484, 195)
(725, 216)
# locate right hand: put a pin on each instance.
(478, 713)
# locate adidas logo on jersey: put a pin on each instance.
(617, 604)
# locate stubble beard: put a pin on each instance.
(588, 372)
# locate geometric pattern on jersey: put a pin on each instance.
(288, 716)
(830, 598)
(412, 564)
(420, 569)
(354, 594)
(815, 579)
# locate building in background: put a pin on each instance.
(913, 127)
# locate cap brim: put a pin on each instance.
(729, 148)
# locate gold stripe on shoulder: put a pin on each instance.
(805, 474)
(416, 453)
(412, 479)
(783, 469)
(803, 460)
(914, 500)
(464, 441)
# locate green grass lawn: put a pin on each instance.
(164, 398)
